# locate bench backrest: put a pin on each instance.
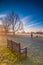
(9, 43)
(16, 46)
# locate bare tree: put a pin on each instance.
(6, 24)
(14, 20)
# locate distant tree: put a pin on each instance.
(14, 20)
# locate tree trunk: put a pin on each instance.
(13, 30)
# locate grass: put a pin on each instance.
(8, 58)
(35, 52)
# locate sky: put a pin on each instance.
(29, 11)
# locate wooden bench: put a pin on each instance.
(16, 47)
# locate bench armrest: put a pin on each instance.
(23, 50)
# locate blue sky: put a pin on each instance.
(29, 11)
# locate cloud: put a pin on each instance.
(35, 24)
(34, 27)
(26, 19)
(0, 22)
(2, 15)
(31, 25)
